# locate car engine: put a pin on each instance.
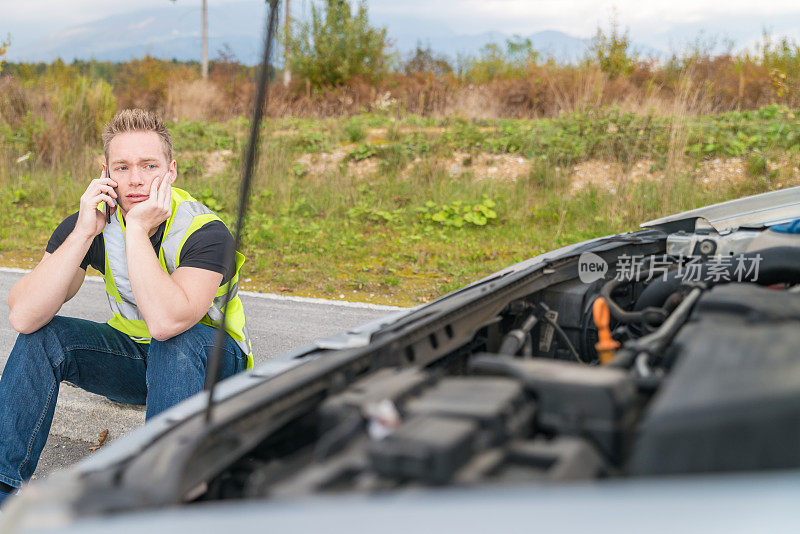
(702, 375)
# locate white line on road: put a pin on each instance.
(269, 296)
(14, 270)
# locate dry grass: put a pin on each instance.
(196, 100)
(693, 83)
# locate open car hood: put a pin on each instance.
(757, 211)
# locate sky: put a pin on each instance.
(581, 17)
(660, 23)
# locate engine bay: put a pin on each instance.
(701, 376)
(666, 358)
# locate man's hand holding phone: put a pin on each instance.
(91, 220)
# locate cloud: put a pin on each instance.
(578, 17)
(141, 24)
(659, 23)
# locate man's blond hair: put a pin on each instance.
(137, 120)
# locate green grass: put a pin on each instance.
(410, 231)
(574, 136)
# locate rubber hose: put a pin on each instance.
(777, 264)
(658, 291)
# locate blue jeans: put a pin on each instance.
(100, 359)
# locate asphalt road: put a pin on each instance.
(277, 325)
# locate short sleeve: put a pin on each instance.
(207, 249)
(94, 256)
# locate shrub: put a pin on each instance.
(612, 50)
(514, 61)
(337, 46)
(425, 60)
(354, 131)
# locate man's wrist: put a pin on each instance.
(134, 228)
(79, 238)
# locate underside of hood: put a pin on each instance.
(757, 211)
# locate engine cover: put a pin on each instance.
(732, 400)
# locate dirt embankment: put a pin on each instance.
(602, 174)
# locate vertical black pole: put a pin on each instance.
(262, 88)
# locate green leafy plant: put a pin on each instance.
(19, 195)
(337, 45)
(362, 152)
(458, 214)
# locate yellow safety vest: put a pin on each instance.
(188, 215)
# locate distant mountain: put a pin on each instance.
(168, 32)
(173, 32)
(554, 44)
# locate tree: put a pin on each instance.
(613, 50)
(518, 57)
(425, 60)
(337, 45)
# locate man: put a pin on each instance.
(163, 257)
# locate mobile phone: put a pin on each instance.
(108, 208)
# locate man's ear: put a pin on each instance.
(173, 169)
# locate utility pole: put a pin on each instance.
(204, 64)
(287, 74)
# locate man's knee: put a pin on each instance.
(46, 342)
(189, 348)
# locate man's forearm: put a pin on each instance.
(164, 306)
(38, 295)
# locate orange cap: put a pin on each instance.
(602, 319)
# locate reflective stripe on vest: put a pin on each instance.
(187, 216)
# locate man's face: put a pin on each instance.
(135, 159)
